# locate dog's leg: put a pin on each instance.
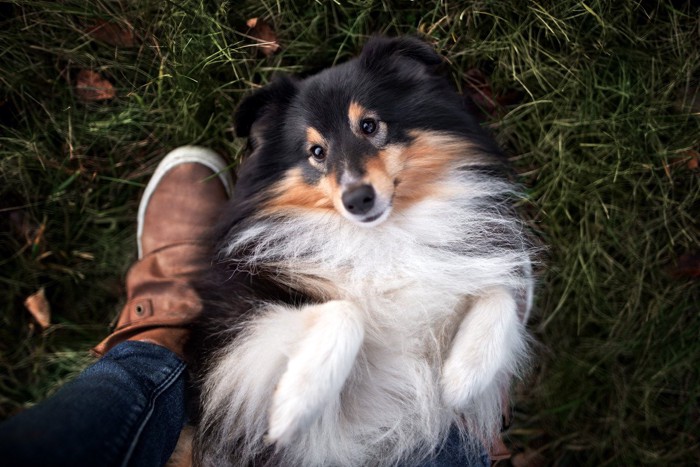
(490, 340)
(317, 368)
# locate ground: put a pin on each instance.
(596, 103)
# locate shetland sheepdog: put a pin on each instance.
(372, 279)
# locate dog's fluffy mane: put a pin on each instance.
(412, 281)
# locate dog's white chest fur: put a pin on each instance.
(421, 330)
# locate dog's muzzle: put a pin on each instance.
(363, 205)
(359, 200)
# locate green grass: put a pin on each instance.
(599, 137)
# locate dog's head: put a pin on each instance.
(363, 139)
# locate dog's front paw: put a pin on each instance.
(317, 369)
(292, 409)
(462, 383)
(489, 342)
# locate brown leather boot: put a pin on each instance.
(182, 200)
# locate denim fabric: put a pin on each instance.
(458, 453)
(126, 409)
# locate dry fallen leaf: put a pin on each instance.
(693, 161)
(261, 31)
(39, 307)
(117, 34)
(481, 98)
(690, 159)
(182, 455)
(20, 224)
(478, 89)
(688, 266)
(28, 231)
(90, 86)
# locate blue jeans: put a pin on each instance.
(128, 409)
(454, 454)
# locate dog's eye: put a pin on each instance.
(368, 126)
(318, 153)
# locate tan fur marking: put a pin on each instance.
(355, 113)
(425, 162)
(393, 159)
(379, 177)
(335, 192)
(330, 186)
(314, 137)
(292, 191)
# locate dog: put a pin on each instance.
(372, 279)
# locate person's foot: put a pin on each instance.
(181, 202)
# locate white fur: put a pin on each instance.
(318, 368)
(378, 376)
(485, 352)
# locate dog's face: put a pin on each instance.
(364, 139)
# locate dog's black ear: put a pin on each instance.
(275, 95)
(379, 50)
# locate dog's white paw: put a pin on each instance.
(292, 410)
(317, 369)
(462, 384)
(489, 342)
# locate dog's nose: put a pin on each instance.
(359, 200)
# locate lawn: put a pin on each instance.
(596, 103)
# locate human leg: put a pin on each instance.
(459, 452)
(128, 408)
